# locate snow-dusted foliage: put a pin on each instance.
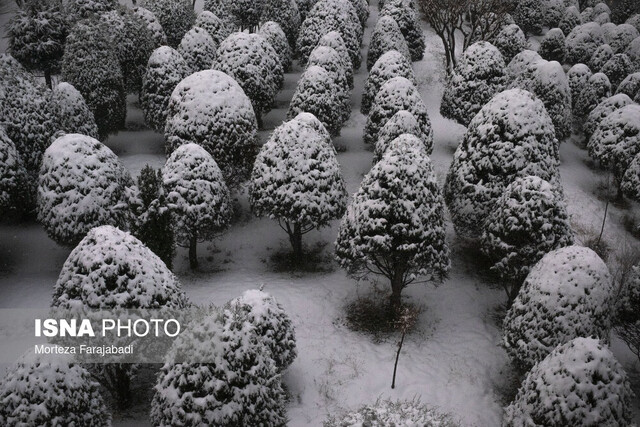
(616, 141)
(551, 86)
(622, 10)
(388, 413)
(198, 49)
(396, 94)
(510, 41)
(175, 16)
(166, 68)
(221, 9)
(286, 14)
(82, 9)
(585, 14)
(297, 181)
(567, 294)
(594, 91)
(552, 45)
(633, 52)
(630, 185)
(90, 64)
(317, 93)
(529, 15)
(528, 220)
(334, 40)
(255, 65)
(395, 224)
(212, 24)
(389, 65)
(512, 136)
(582, 41)
(405, 14)
(153, 25)
(72, 115)
(35, 392)
(82, 185)
(522, 67)
(603, 18)
(570, 20)
(635, 21)
(328, 59)
(327, 16)
(13, 176)
(197, 195)
(210, 109)
(273, 34)
(602, 110)
(133, 43)
(578, 77)
(272, 324)
(479, 75)
(245, 14)
(600, 8)
(600, 57)
(622, 36)
(579, 383)
(239, 386)
(630, 85)
(112, 269)
(553, 11)
(401, 123)
(386, 36)
(617, 68)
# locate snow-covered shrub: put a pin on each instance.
(570, 20)
(246, 13)
(567, 294)
(630, 185)
(72, 115)
(210, 109)
(599, 8)
(622, 10)
(286, 14)
(600, 57)
(13, 176)
(76, 169)
(396, 94)
(272, 324)
(578, 76)
(512, 136)
(602, 110)
(553, 11)
(608, 31)
(552, 46)
(273, 34)
(633, 52)
(362, 10)
(635, 21)
(528, 220)
(479, 75)
(327, 16)
(197, 195)
(616, 141)
(198, 49)
(391, 64)
(579, 383)
(388, 413)
(255, 65)
(551, 86)
(529, 15)
(510, 41)
(522, 67)
(175, 16)
(622, 37)
(328, 59)
(153, 25)
(216, 27)
(630, 85)
(221, 9)
(585, 15)
(406, 16)
(166, 68)
(296, 180)
(401, 123)
(386, 36)
(35, 392)
(616, 69)
(603, 18)
(82, 9)
(594, 91)
(90, 63)
(112, 269)
(582, 41)
(317, 93)
(218, 372)
(334, 40)
(396, 219)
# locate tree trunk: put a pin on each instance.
(396, 291)
(47, 78)
(395, 366)
(193, 256)
(259, 119)
(296, 242)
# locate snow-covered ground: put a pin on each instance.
(453, 360)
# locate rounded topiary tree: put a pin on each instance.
(510, 41)
(210, 109)
(617, 68)
(551, 86)
(622, 36)
(386, 36)
(582, 41)
(630, 85)
(334, 40)
(634, 20)
(567, 294)
(82, 9)
(529, 15)
(391, 64)
(175, 16)
(198, 49)
(221, 9)
(633, 52)
(512, 136)
(570, 20)
(387, 412)
(578, 76)
(596, 89)
(166, 68)
(401, 123)
(395, 226)
(272, 324)
(286, 14)
(273, 34)
(72, 114)
(253, 63)
(212, 24)
(522, 67)
(578, 383)
(600, 57)
(77, 168)
(296, 180)
(405, 14)
(246, 13)
(13, 177)
(623, 10)
(630, 184)
(602, 110)
(552, 45)
(479, 75)
(158, 36)
(329, 59)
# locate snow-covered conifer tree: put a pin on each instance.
(221, 9)
(197, 196)
(402, 122)
(582, 41)
(82, 9)
(600, 57)
(391, 64)
(553, 11)
(630, 85)
(551, 86)
(510, 41)
(602, 110)
(622, 36)
(596, 89)
(630, 185)
(255, 65)
(273, 34)
(158, 36)
(246, 13)
(522, 68)
(570, 20)
(386, 36)
(633, 52)
(616, 69)
(406, 16)
(72, 115)
(210, 109)
(175, 16)
(578, 77)
(286, 14)
(296, 180)
(479, 75)
(395, 226)
(13, 177)
(634, 20)
(198, 49)
(333, 39)
(529, 15)
(215, 26)
(623, 10)
(329, 59)
(512, 136)
(76, 169)
(552, 45)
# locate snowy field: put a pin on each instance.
(452, 360)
